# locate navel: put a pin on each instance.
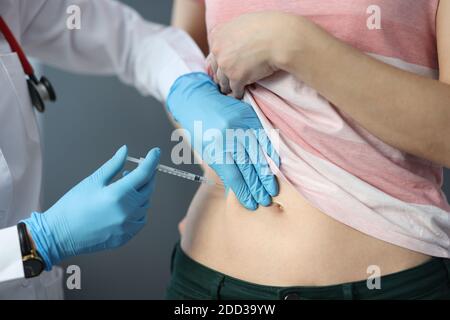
(277, 205)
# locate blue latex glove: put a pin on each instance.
(96, 214)
(195, 97)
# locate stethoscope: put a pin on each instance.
(40, 90)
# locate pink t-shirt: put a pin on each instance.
(337, 165)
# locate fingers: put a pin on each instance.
(268, 148)
(232, 178)
(143, 174)
(253, 164)
(266, 175)
(141, 197)
(224, 83)
(251, 178)
(148, 188)
(112, 167)
(237, 89)
(211, 60)
(260, 183)
(260, 164)
(211, 66)
(134, 226)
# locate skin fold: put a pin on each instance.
(292, 243)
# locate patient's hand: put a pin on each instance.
(250, 48)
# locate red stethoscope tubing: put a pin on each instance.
(15, 47)
(39, 90)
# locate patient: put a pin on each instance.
(304, 243)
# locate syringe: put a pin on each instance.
(177, 172)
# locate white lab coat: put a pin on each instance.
(113, 39)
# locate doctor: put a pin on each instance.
(96, 214)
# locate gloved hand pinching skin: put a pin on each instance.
(96, 214)
(196, 98)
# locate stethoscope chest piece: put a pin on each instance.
(40, 91)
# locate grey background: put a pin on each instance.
(92, 118)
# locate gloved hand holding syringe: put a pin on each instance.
(178, 173)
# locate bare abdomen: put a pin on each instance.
(286, 245)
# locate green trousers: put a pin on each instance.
(192, 281)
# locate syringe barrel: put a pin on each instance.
(177, 172)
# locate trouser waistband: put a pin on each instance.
(408, 284)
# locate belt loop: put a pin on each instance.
(216, 286)
(347, 290)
